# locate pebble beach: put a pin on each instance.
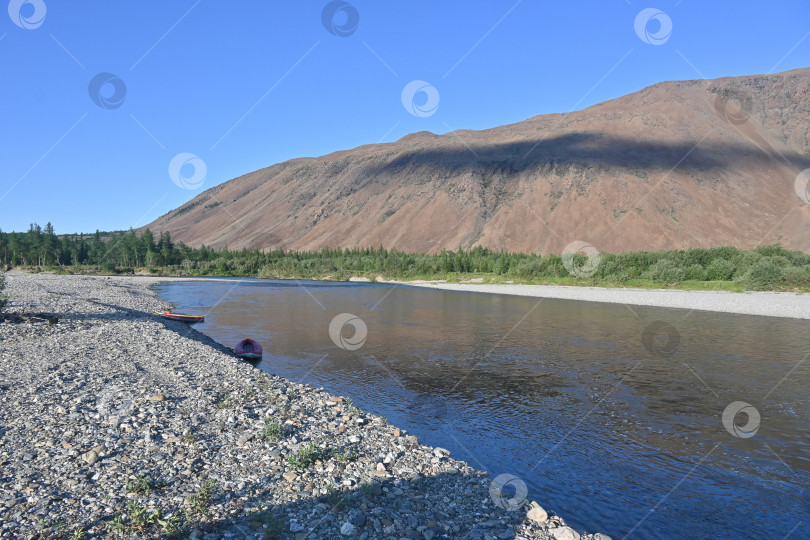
(117, 423)
(766, 304)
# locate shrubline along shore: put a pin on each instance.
(114, 422)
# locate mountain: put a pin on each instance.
(679, 164)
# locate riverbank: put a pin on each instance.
(768, 304)
(116, 422)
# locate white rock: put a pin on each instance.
(564, 533)
(537, 514)
(347, 529)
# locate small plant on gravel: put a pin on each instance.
(139, 520)
(200, 501)
(307, 456)
(120, 526)
(351, 407)
(170, 526)
(272, 527)
(49, 528)
(138, 517)
(347, 457)
(224, 403)
(141, 484)
(339, 501)
(273, 430)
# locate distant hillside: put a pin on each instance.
(676, 165)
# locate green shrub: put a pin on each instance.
(720, 270)
(665, 271)
(794, 276)
(744, 261)
(764, 274)
(696, 272)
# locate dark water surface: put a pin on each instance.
(613, 435)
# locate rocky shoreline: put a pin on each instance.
(116, 423)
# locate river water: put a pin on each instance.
(612, 415)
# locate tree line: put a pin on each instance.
(42, 247)
(763, 268)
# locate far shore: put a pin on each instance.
(791, 305)
(767, 304)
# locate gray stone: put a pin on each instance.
(347, 529)
(90, 457)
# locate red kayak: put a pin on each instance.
(248, 349)
(182, 318)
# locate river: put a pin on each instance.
(612, 416)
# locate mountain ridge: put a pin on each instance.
(678, 164)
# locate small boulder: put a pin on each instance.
(564, 533)
(289, 476)
(537, 514)
(90, 457)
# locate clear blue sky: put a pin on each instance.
(244, 85)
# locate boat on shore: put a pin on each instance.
(191, 319)
(248, 349)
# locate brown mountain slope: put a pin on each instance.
(676, 165)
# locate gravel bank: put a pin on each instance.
(769, 304)
(114, 422)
